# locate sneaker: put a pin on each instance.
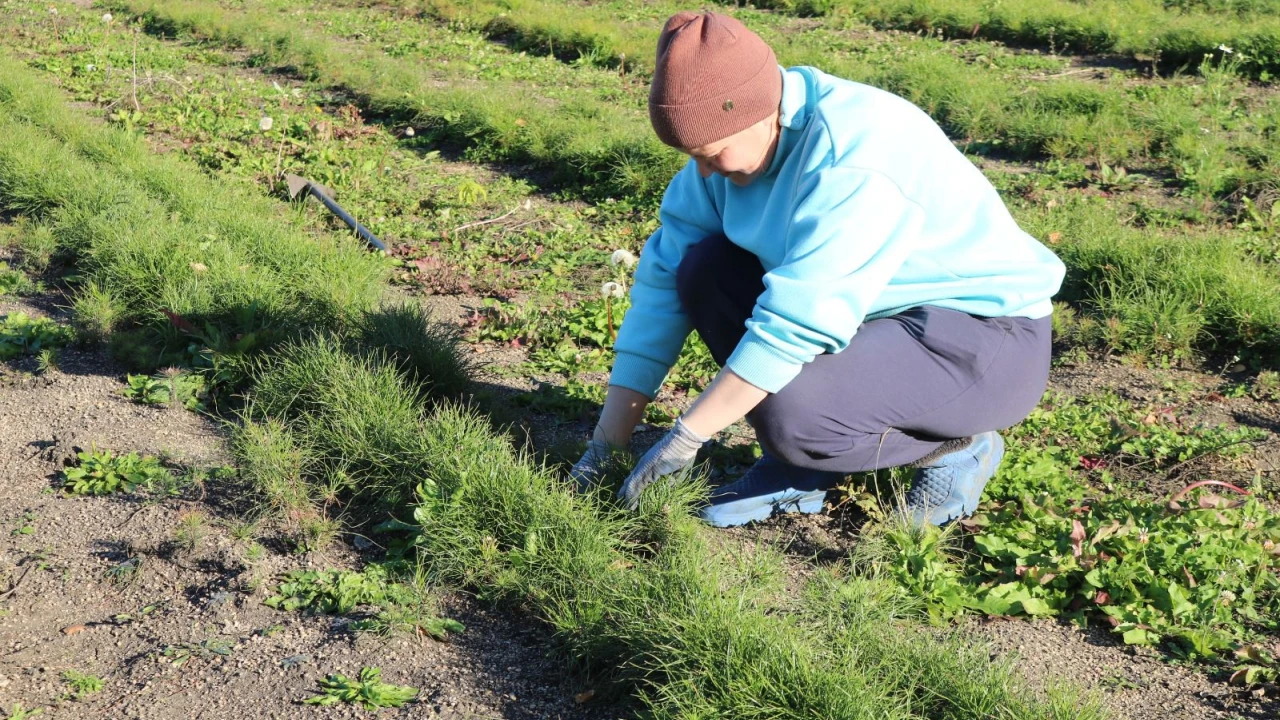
(952, 485)
(770, 486)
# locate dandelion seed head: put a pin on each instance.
(199, 267)
(107, 18)
(613, 289)
(623, 258)
(408, 132)
(1225, 49)
(265, 123)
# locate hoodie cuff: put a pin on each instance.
(761, 365)
(639, 373)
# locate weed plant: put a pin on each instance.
(1062, 536)
(15, 282)
(368, 691)
(173, 388)
(17, 712)
(209, 649)
(101, 472)
(21, 334)
(399, 607)
(338, 592)
(81, 684)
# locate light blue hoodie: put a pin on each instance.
(866, 210)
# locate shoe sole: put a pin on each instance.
(755, 509)
(953, 508)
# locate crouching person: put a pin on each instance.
(869, 298)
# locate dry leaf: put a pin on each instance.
(1054, 237)
(73, 629)
(1209, 501)
(1077, 538)
(584, 696)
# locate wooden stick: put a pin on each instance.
(478, 223)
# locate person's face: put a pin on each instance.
(742, 157)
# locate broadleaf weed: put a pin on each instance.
(100, 472)
(368, 691)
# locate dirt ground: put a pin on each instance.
(61, 612)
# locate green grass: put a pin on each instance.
(643, 601)
(1197, 299)
(616, 159)
(226, 275)
(189, 271)
(1173, 34)
(991, 99)
(398, 185)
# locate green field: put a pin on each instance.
(502, 150)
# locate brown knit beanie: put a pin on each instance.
(713, 78)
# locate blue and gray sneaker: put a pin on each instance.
(770, 486)
(950, 487)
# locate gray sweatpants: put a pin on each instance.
(903, 386)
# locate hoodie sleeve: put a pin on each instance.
(655, 327)
(852, 229)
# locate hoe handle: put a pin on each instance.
(351, 222)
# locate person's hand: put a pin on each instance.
(590, 468)
(673, 453)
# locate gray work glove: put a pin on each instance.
(673, 453)
(590, 468)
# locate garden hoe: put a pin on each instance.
(298, 184)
